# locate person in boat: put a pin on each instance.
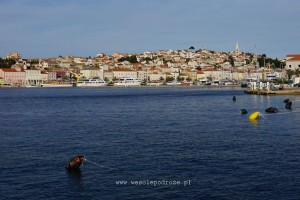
(272, 110)
(233, 98)
(75, 163)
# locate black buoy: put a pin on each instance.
(244, 111)
(271, 110)
(286, 101)
(288, 105)
(233, 98)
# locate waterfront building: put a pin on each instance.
(292, 62)
(91, 72)
(124, 72)
(33, 76)
(13, 76)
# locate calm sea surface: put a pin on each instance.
(147, 143)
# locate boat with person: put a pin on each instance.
(75, 163)
(95, 82)
(128, 81)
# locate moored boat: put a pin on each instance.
(128, 81)
(154, 83)
(57, 84)
(173, 83)
(189, 83)
(92, 83)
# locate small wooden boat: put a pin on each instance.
(75, 163)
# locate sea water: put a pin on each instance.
(147, 143)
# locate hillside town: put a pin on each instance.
(201, 67)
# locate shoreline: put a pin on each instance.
(285, 91)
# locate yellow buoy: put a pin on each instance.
(254, 116)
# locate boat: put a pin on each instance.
(92, 83)
(189, 83)
(75, 163)
(271, 76)
(154, 83)
(57, 84)
(173, 83)
(29, 86)
(128, 81)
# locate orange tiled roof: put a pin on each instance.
(122, 69)
(9, 70)
(293, 57)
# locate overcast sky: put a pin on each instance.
(49, 28)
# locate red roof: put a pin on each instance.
(292, 57)
(122, 69)
(9, 70)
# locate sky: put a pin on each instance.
(50, 28)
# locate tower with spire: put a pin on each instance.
(237, 49)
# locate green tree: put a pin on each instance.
(192, 48)
(170, 78)
(7, 63)
(131, 59)
(231, 61)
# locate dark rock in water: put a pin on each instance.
(271, 110)
(288, 105)
(244, 111)
(234, 98)
(286, 101)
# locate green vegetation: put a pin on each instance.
(274, 63)
(7, 63)
(231, 61)
(34, 61)
(131, 59)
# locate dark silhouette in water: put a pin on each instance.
(272, 110)
(244, 111)
(233, 98)
(288, 105)
(75, 163)
(286, 101)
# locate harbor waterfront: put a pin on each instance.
(285, 91)
(148, 143)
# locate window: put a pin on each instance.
(290, 66)
(299, 66)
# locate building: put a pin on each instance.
(91, 72)
(292, 62)
(33, 76)
(13, 76)
(124, 72)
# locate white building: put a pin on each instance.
(33, 76)
(124, 72)
(292, 62)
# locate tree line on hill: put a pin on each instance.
(7, 63)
